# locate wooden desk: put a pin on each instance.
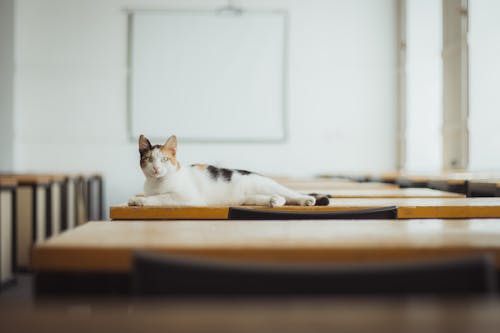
(447, 181)
(385, 193)
(338, 185)
(101, 246)
(44, 205)
(7, 181)
(385, 177)
(34, 211)
(407, 208)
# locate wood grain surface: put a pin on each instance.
(108, 246)
(407, 208)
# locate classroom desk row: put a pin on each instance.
(105, 249)
(407, 208)
(84, 254)
(471, 184)
(401, 193)
(34, 207)
(301, 185)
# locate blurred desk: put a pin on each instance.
(337, 185)
(385, 193)
(45, 205)
(457, 182)
(407, 208)
(107, 247)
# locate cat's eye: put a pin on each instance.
(164, 159)
(150, 159)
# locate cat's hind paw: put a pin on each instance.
(137, 201)
(307, 201)
(277, 201)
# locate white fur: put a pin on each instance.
(194, 186)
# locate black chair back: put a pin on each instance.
(273, 214)
(156, 274)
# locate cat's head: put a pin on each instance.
(158, 160)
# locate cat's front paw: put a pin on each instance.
(277, 201)
(137, 201)
(307, 201)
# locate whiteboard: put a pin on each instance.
(206, 76)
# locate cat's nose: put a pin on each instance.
(155, 169)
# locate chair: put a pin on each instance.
(483, 189)
(460, 187)
(408, 183)
(155, 274)
(272, 214)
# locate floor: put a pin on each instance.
(20, 312)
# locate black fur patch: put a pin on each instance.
(243, 172)
(226, 174)
(145, 154)
(145, 151)
(321, 199)
(215, 173)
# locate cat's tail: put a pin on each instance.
(293, 197)
(321, 199)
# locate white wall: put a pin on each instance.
(6, 84)
(424, 83)
(71, 91)
(484, 85)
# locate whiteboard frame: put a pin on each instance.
(129, 70)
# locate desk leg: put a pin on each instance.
(34, 205)
(101, 198)
(42, 217)
(72, 204)
(14, 228)
(48, 211)
(6, 248)
(64, 204)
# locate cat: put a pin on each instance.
(170, 184)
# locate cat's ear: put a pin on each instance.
(171, 144)
(144, 144)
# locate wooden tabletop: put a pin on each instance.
(28, 179)
(407, 208)
(386, 193)
(338, 185)
(456, 177)
(495, 182)
(98, 246)
(7, 181)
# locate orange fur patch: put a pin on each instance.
(171, 156)
(200, 166)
